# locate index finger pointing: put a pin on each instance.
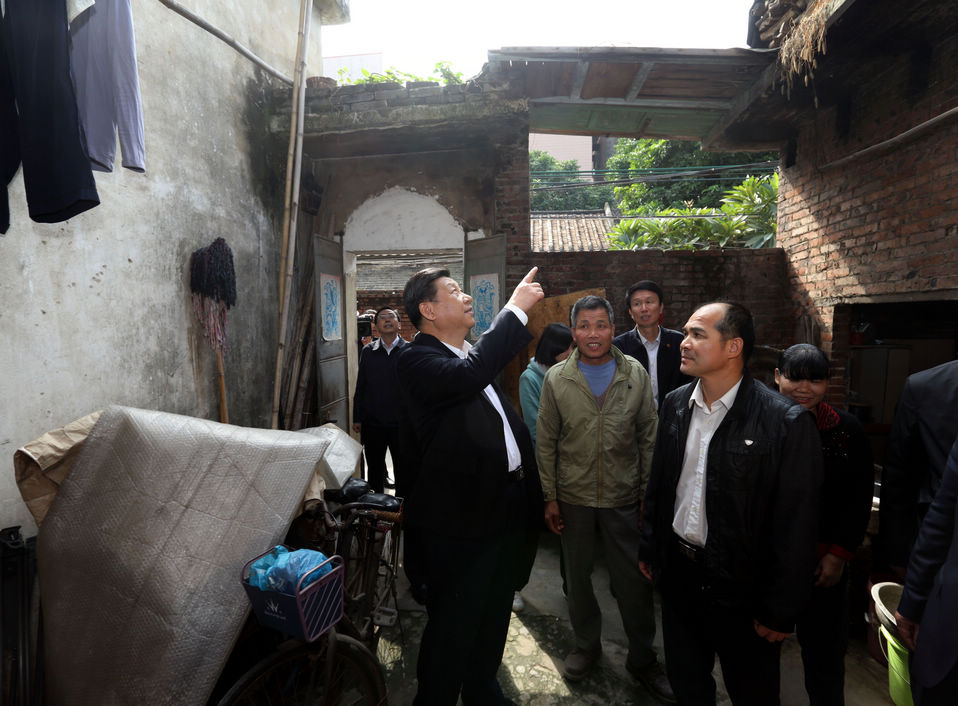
(532, 274)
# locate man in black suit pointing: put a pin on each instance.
(476, 504)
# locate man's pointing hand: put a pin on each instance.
(528, 292)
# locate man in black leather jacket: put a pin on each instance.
(730, 515)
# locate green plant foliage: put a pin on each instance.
(672, 155)
(544, 169)
(747, 218)
(443, 74)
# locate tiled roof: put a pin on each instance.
(570, 233)
(389, 271)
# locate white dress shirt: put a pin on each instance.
(379, 343)
(690, 521)
(512, 446)
(652, 348)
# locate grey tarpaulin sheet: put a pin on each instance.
(140, 554)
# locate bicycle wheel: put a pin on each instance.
(304, 676)
(355, 548)
(385, 609)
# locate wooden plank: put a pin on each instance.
(608, 80)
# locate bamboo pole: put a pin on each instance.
(298, 71)
(300, 94)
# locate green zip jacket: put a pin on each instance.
(590, 456)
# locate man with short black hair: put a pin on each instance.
(376, 402)
(653, 345)
(476, 505)
(730, 521)
(595, 431)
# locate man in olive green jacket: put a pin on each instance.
(595, 434)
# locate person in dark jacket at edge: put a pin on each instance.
(927, 616)
(922, 433)
(848, 485)
(730, 519)
(476, 504)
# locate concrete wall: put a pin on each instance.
(97, 310)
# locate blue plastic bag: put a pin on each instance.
(258, 569)
(281, 569)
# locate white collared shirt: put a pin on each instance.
(512, 446)
(652, 348)
(378, 343)
(690, 521)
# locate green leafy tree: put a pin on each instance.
(546, 170)
(664, 156)
(747, 218)
(442, 73)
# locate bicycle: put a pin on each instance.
(341, 666)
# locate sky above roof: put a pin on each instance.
(413, 35)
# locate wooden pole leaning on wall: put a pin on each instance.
(292, 202)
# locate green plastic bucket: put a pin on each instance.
(899, 679)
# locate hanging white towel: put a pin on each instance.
(75, 7)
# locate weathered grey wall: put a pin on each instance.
(97, 310)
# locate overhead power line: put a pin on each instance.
(660, 175)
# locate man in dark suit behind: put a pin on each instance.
(475, 509)
(657, 348)
(928, 612)
(924, 429)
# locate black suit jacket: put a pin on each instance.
(454, 436)
(931, 585)
(667, 359)
(923, 431)
(762, 490)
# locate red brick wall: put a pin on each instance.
(882, 226)
(755, 278)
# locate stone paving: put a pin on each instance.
(540, 637)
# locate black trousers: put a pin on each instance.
(469, 604)
(695, 629)
(941, 694)
(375, 441)
(822, 631)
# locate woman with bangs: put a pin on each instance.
(822, 631)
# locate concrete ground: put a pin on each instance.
(540, 637)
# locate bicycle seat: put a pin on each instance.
(381, 501)
(352, 491)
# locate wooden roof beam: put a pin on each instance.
(638, 81)
(578, 81)
(765, 82)
(660, 103)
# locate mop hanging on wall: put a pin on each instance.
(213, 287)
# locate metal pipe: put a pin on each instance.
(199, 21)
